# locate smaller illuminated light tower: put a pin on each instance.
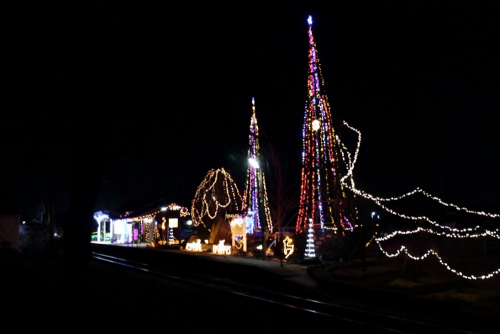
(310, 251)
(258, 218)
(170, 236)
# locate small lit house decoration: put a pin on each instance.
(322, 203)
(216, 195)
(152, 223)
(221, 248)
(287, 246)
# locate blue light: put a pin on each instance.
(310, 20)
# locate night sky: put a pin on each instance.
(171, 87)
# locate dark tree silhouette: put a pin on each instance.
(283, 198)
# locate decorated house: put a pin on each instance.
(156, 223)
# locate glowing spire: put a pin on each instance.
(251, 195)
(322, 198)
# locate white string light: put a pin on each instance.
(428, 230)
(403, 249)
(232, 196)
(455, 233)
(378, 200)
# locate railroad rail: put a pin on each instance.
(321, 308)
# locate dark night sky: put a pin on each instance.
(172, 86)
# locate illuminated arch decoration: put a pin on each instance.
(238, 232)
(251, 193)
(216, 195)
(322, 196)
(443, 230)
(100, 218)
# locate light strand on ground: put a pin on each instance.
(403, 249)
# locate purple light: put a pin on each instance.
(310, 20)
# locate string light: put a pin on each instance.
(156, 235)
(205, 198)
(251, 193)
(378, 200)
(144, 220)
(221, 248)
(171, 239)
(146, 232)
(194, 246)
(442, 234)
(322, 196)
(183, 211)
(288, 246)
(371, 239)
(403, 249)
(310, 250)
(452, 232)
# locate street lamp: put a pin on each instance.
(262, 215)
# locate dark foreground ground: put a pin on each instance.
(32, 289)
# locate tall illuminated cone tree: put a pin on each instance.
(322, 198)
(252, 194)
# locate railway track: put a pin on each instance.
(320, 309)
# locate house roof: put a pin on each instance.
(142, 206)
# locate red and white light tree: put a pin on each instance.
(322, 197)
